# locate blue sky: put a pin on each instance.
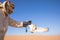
(44, 13)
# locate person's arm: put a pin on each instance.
(16, 24)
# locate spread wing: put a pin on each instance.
(34, 28)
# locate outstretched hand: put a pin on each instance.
(26, 23)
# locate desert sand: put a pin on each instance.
(32, 37)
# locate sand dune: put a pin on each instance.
(32, 37)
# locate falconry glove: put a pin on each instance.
(26, 23)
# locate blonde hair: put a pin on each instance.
(8, 7)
